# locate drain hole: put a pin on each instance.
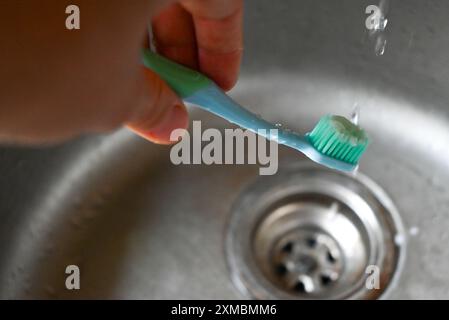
(311, 242)
(281, 270)
(300, 287)
(288, 248)
(330, 257)
(325, 280)
(313, 232)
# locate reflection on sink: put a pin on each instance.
(140, 227)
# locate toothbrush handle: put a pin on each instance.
(182, 80)
(197, 89)
(193, 87)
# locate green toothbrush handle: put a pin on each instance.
(182, 80)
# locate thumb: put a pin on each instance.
(159, 113)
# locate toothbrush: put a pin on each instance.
(335, 142)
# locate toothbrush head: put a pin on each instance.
(339, 138)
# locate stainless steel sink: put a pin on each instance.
(139, 227)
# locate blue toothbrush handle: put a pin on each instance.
(195, 88)
(214, 100)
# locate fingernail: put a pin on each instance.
(177, 118)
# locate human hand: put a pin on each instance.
(57, 83)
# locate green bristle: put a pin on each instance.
(339, 138)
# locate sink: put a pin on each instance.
(138, 226)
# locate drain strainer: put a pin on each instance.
(312, 233)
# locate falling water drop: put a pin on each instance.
(355, 115)
(381, 44)
(377, 32)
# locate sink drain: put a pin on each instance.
(311, 233)
(305, 261)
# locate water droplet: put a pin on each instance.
(380, 46)
(413, 231)
(399, 239)
(377, 33)
(355, 115)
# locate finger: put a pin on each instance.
(174, 35)
(219, 36)
(70, 82)
(160, 112)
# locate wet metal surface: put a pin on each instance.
(140, 227)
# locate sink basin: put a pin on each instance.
(138, 226)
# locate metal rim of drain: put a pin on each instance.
(310, 233)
